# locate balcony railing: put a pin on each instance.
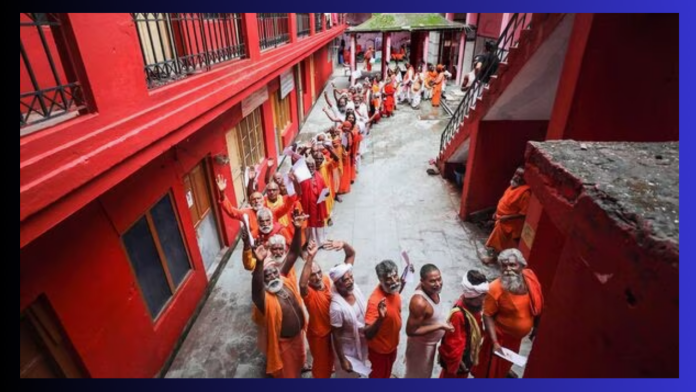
(318, 18)
(176, 45)
(302, 25)
(273, 30)
(48, 86)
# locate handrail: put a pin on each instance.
(503, 45)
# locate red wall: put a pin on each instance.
(87, 156)
(83, 270)
(496, 149)
(546, 243)
(611, 89)
(489, 25)
(612, 309)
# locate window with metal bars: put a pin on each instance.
(250, 131)
(176, 45)
(273, 29)
(302, 25)
(48, 85)
(318, 18)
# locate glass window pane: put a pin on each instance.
(170, 239)
(148, 269)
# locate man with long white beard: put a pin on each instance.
(427, 323)
(315, 288)
(278, 309)
(511, 311)
(347, 316)
(383, 319)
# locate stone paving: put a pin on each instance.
(393, 206)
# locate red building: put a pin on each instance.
(125, 119)
(583, 77)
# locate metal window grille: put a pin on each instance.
(273, 30)
(302, 25)
(48, 86)
(175, 45)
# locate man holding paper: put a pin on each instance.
(511, 311)
(347, 317)
(310, 190)
(383, 319)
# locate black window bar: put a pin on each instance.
(48, 86)
(317, 22)
(302, 25)
(176, 45)
(508, 39)
(273, 29)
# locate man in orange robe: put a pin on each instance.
(315, 288)
(511, 311)
(437, 80)
(325, 166)
(346, 175)
(510, 214)
(278, 311)
(383, 319)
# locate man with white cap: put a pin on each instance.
(347, 317)
(459, 350)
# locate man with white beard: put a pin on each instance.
(347, 317)
(256, 202)
(383, 319)
(267, 230)
(511, 311)
(278, 309)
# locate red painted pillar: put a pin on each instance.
(353, 66)
(312, 25)
(449, 16)
(292, 27)
(541, 244)
(251, 36)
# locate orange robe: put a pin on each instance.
(347, 175)
(282, 212)
(338, 169)
(437, 88)
(284, 357)
(319, 329)
(458, 343)
(238, 214)
(382, 347)
(326, 171)
(505, 234)
(514, 319)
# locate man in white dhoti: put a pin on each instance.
(426, 324)
(347, 316)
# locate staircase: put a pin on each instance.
(522, 36)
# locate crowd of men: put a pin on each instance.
(349, 334)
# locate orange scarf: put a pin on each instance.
(536, 297)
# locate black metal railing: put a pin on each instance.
(273, 30)
(318, 18)
(175, 45)
(48, 86)
(508, 39)
(302, 25)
